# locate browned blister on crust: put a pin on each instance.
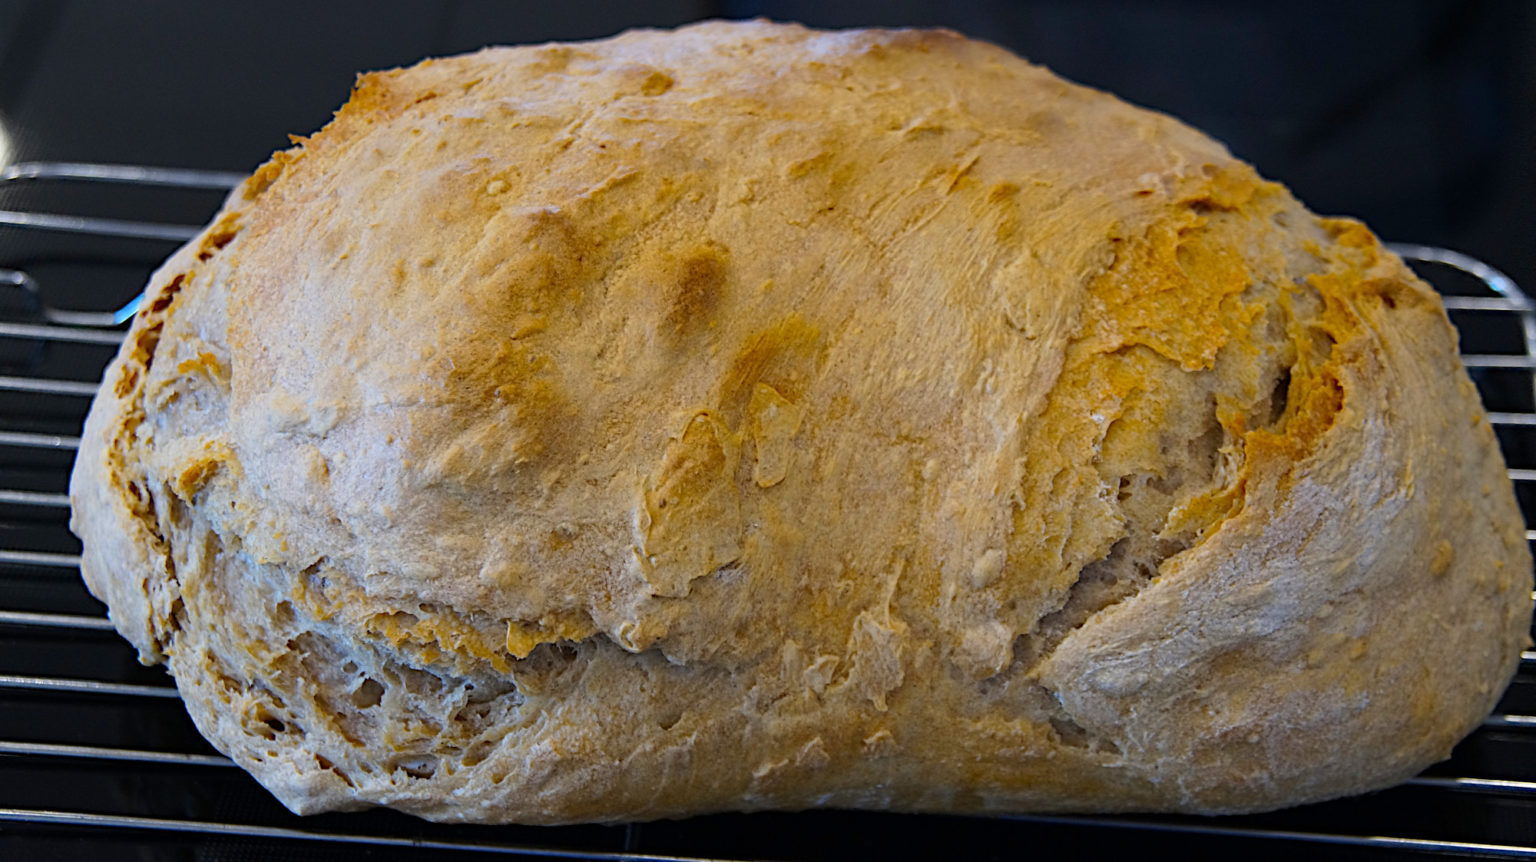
(752, 417)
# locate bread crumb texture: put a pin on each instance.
(750, 417)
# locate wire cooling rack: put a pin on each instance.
(97, 756)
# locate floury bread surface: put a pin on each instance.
(752, 417)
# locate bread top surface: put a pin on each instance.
(750, 416)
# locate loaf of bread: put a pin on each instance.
(750, 417)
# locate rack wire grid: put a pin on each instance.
(97, 755)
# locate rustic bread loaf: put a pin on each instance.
(753, 417)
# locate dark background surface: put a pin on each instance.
(1414, 116)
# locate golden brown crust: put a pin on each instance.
(752, 417)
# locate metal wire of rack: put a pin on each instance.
(94, 748)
